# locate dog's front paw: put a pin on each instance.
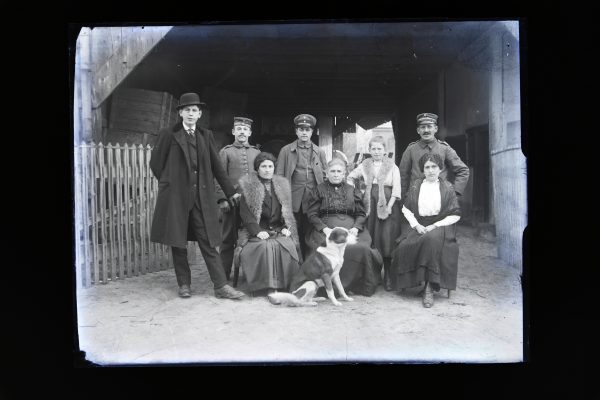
(348, 298)
(336, 303)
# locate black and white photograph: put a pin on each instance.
(299, 192)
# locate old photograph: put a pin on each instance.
(299, 193)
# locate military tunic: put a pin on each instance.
(409, 164)
(303, 178)
(238, 161)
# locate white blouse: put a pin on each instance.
(429, 203)
(392, 179)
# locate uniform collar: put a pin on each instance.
(424, 144)
(239, 146)
(303, 146)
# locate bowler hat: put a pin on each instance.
(190, 99)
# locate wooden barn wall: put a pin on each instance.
(104, 58)
(136, 116)
(508, 164)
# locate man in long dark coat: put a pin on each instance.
(185, 162)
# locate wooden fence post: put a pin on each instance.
(86, 220)
(79, 266)
(102, 197)
(148, 198)
(141, 210)
(111, 211)
(134, 210)
(127, 205)
(119, 210)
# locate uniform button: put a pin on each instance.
(203, 187)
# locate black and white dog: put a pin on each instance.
(320, 269)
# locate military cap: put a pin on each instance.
(242, 121)
(190, 99)
(305, 119)
(427, 118)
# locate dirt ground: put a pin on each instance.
(142, 320)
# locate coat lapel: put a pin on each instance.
(181, 139)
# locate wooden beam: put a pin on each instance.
(129, 46)
(325, 124)
(85, 84)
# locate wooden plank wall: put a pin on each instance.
(136, 115)
(508, 164)
(510, 196)
(104, 57)
(117, 51)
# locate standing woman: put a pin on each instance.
(336, 203)
(269, 239)
(382, 180)
(429, 252)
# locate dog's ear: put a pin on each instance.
(338, 235)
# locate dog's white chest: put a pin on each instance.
(336, 260)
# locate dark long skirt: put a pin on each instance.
(430, 257)
(361, 263)
(270, 263)
(384, 232)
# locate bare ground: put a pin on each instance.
(142, 320)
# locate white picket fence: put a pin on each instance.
(115, 194)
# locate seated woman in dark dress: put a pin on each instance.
(428, 252)
(268, 239)
(336, 203)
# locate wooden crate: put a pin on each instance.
(136, 115)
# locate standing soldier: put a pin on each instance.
(238, 161)
(302, 162)
(409, 164)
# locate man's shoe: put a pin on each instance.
(227, 292)
(184, 291)
(427, 296)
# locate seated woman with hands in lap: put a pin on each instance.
(428, 253)
(335, 203)
(268, 239)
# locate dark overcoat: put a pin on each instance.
(170, 163)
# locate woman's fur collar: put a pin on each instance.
(254, 193)
(368, 171)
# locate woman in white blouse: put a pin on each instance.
(429, 252)
(382, 179)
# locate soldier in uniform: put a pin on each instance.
(303, 164)
(409, 163)
(238, 161)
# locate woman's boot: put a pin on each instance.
(387, 274)
(427, 296)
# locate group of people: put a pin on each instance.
(277, 211)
